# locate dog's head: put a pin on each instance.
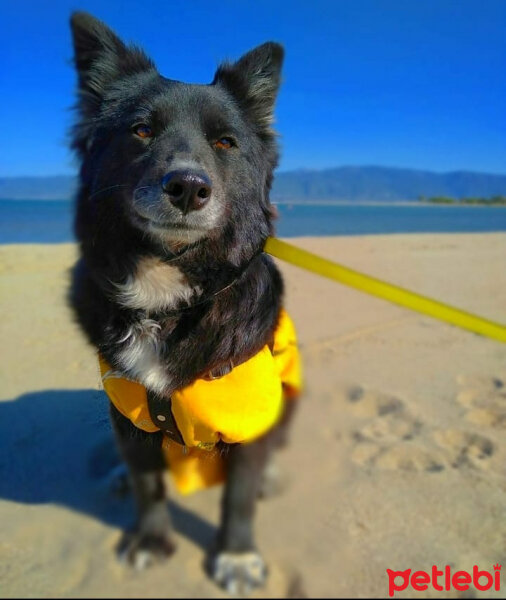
(173, 162)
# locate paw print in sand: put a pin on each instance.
(464, 448)
(389, 437)
(484, 399)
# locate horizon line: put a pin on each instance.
(307, 169)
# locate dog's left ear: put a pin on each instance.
(254, 81)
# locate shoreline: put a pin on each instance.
(299, 202)
(354, 236)
(410, 203)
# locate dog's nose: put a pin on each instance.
(187, 190)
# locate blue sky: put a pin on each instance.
(411, 83)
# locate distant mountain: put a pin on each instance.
(353, 184)
(382, 184)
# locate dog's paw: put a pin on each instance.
(142, 550)
(238, 573)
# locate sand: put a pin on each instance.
(397, 458)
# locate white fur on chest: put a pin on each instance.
(140, 355)
(155, 285)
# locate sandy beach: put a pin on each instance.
(398, 454)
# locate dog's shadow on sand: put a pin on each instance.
(56, 446)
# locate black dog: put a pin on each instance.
(172, 213)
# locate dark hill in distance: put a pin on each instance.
(352, 184)
(383, 184)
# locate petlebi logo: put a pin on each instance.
(444, 579)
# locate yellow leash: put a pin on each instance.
(387, 291)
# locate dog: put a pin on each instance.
(172, 286)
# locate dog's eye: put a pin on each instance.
(224, 143)
(143, 130)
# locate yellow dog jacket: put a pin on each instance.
(235, 408)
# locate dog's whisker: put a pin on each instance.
(103, 190)
(143, 187)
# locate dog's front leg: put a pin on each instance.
(151, 539)
(236, 565)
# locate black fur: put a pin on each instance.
(237, 288)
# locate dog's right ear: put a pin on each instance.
(101, 58)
